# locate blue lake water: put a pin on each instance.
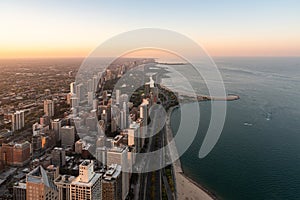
(258, 153)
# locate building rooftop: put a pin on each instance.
(63, 179)
(20, 185)
(113, 172)
(39, 175)
(93, 180)
(117, 149)
(86, 162)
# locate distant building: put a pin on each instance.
(95, 104)
(95, 83)
(124, 98)
(118, 93)
(79, 146)
(134, 136)
(91, 123)
(125, 115)
(74, 101)
(79, 91)
(122, 120)
(67, 136)
(16, 153)
(49, 108)
(58, 157)
(45, 120)
(143, 130)
(52, 172)
(36, 142)
(87, 185)
(72, 88)
(101, 155)
(143, 111)
(112, 183)
(56, 126)
(90, 85)
(90, 98)
(18, 120)
(39, 186)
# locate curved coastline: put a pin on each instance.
(186, 188)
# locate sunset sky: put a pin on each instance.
(74, 28)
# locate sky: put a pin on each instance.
(73, 28)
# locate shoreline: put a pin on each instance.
(186, 188)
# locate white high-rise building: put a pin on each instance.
(79, 91)
(126, 113)
(87, 186)
(134, 136)
(95, 83)
(101, 155)
(74, 101)
(72, 88)
(118, 93)
(18, 120)
(143, 111)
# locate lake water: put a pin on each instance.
(258, 153)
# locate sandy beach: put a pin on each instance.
(186, 188)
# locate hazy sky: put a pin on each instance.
(224, 28)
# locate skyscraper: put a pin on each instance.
(124, 98)
(112, 183)
(39, 186)
(19, 191)
(87, 185)
(143, 111)
(72, 88)
(122, 119)
(118, 97)
(101, 155)
(49, 108)
(74, 101)
(56, 126)
(79, 92)
(90, 85)
(63, 184)
(95, 83)
(67, 136)
(126, 113)
(18, 120)
(90, 98)
(134, 136)
(58, 157)
(117, 155)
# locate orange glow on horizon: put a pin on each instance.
(232, 47)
